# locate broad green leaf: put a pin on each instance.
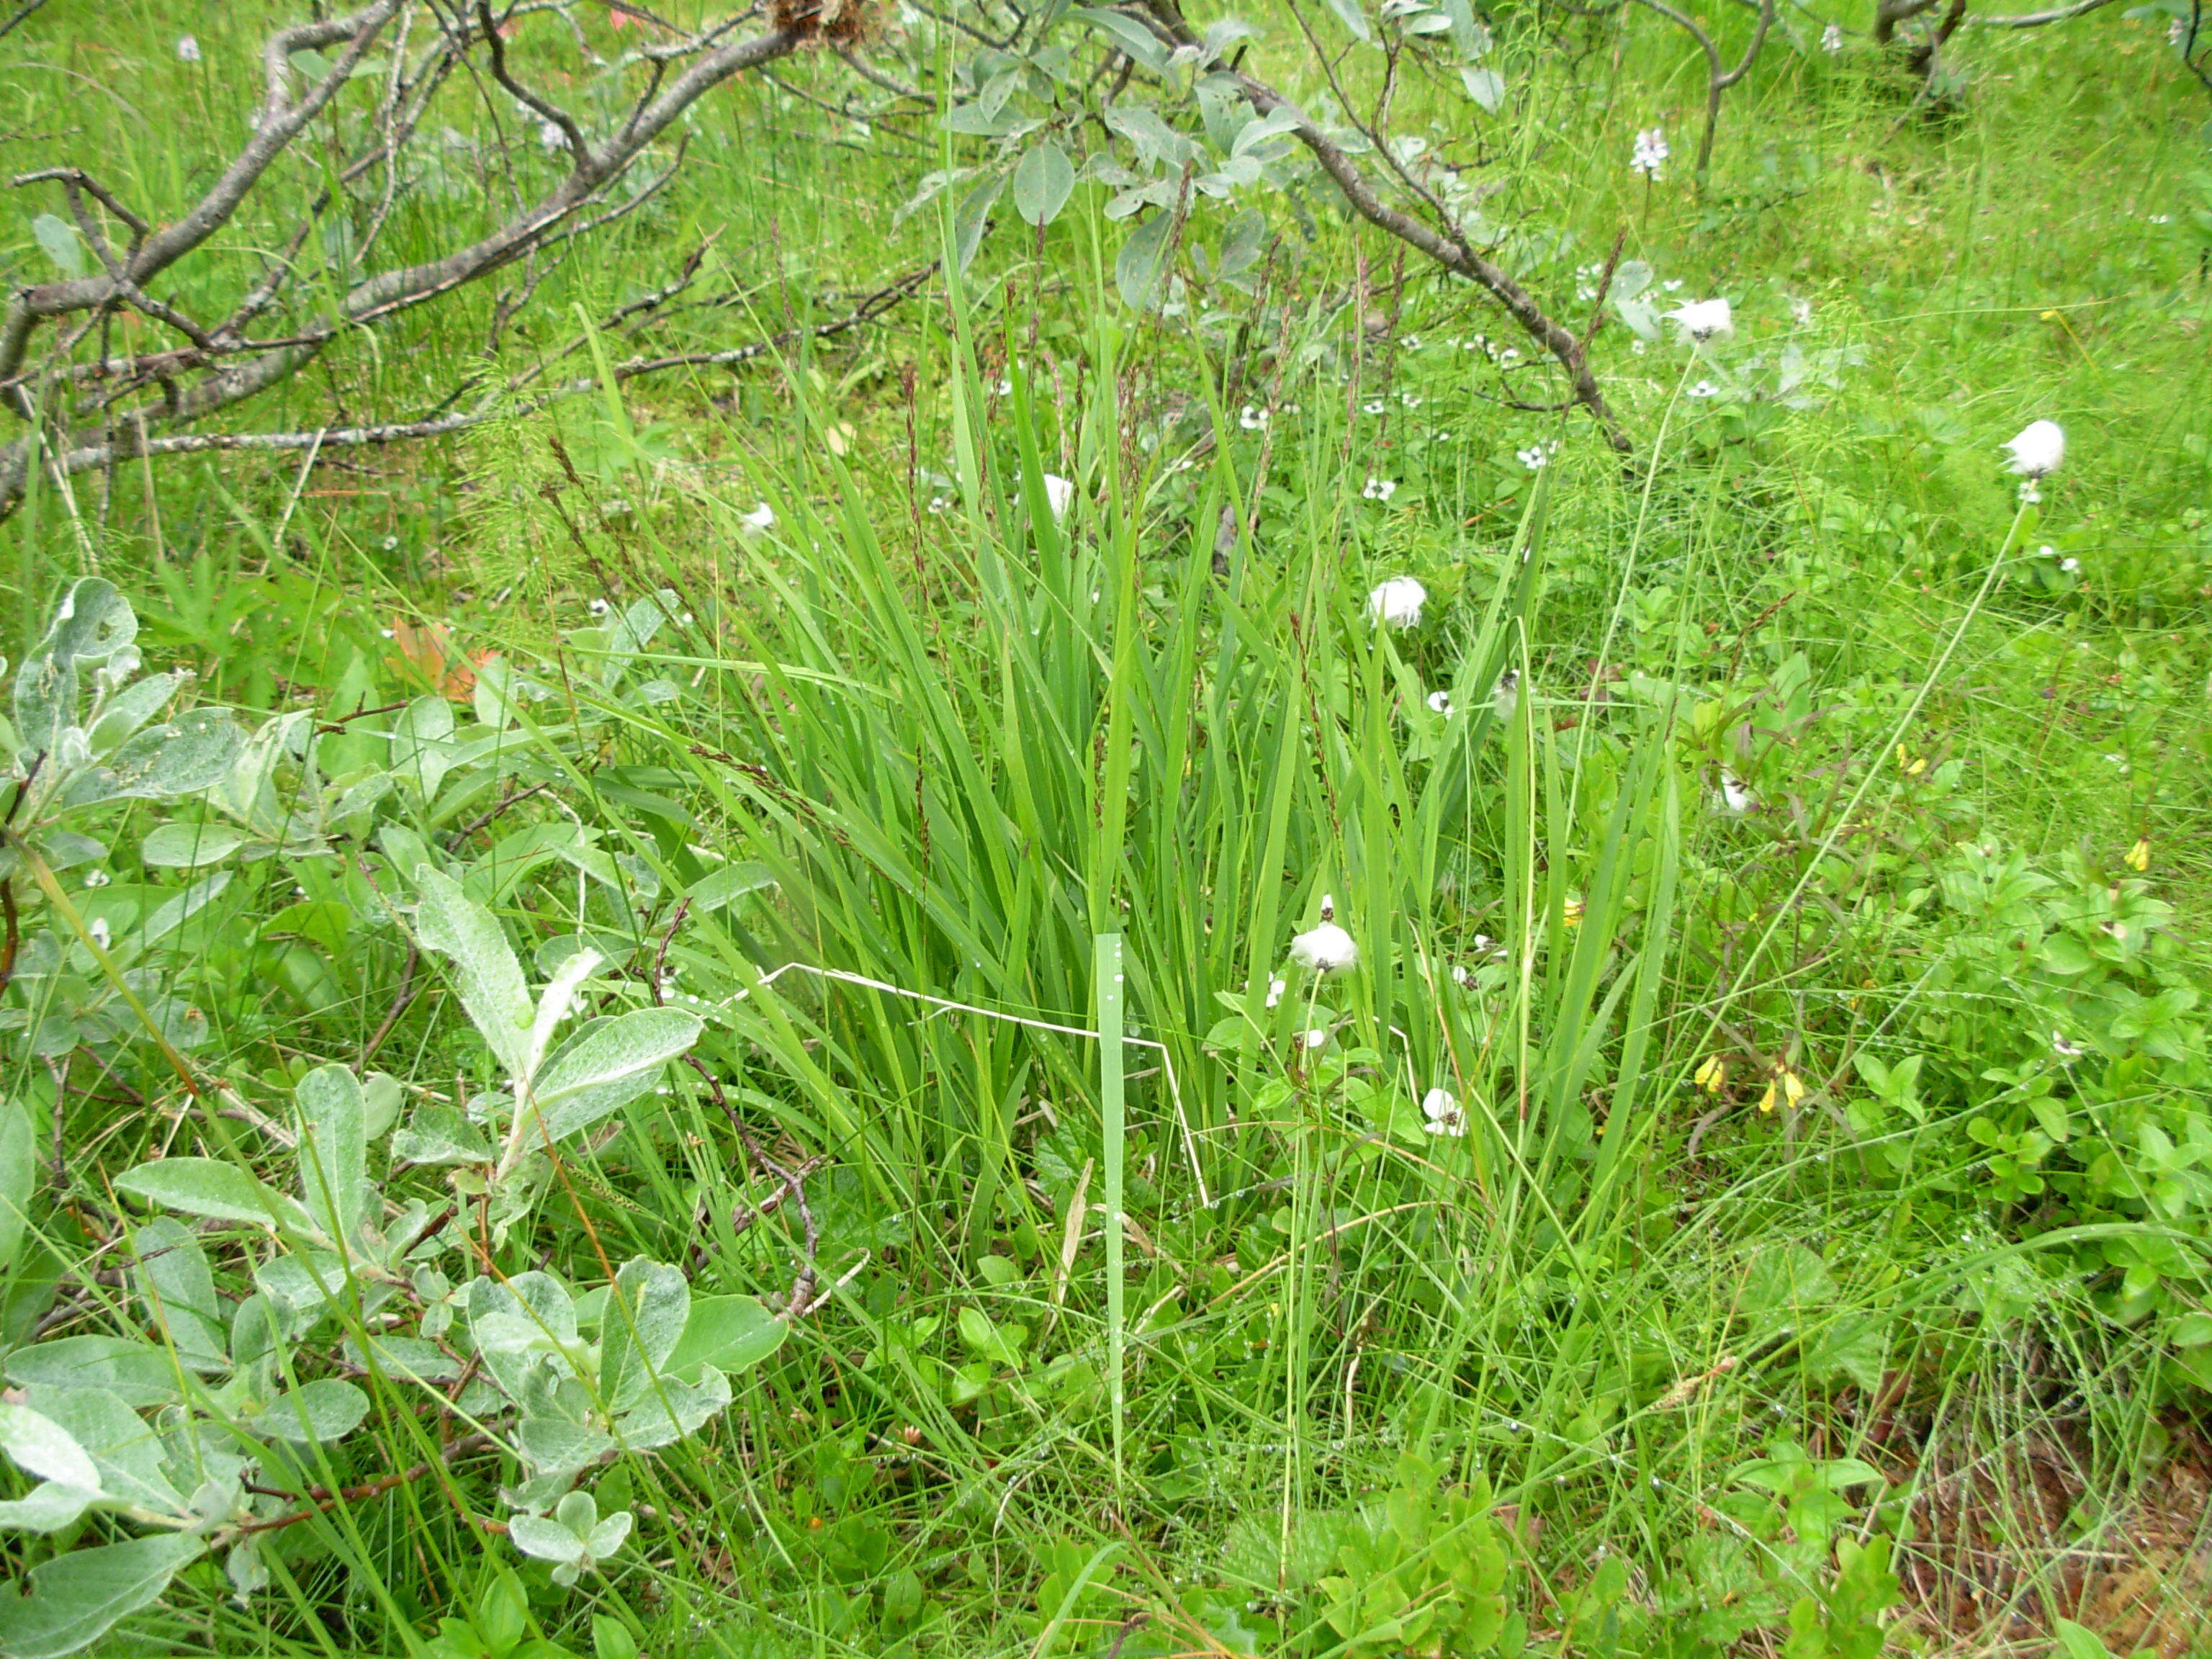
(179, 758)
(138, 1373)
(176, 912)
(554, 1003)
(729, 883)
(1349, 14)
(729, 1333)
(604, 1064)
(19, 1176)
(42, 1447)
(1137, 269)
(554, 1445)
(58, 241)
(670, 1410)
(48, 1507)
(486, 974)
(190, 846)
(969, 218)
(439, 1135)
(176, 1288)
(73, 1599)
(411, 1358)
(547, 1541)
(421, 744)
(123, 1446)
(644, 1321)
(211, 1187)
(1485, 86)
(129, 708)
(1042, 183)
(90, 625)
(2081, 1642)
(325, 1410)
(1126, 32)
(333, 1150)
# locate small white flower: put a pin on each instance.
(1832, 38)
(1380, 490)
(1638, 347)
(2070, 566)
(1440, 702)
(1649, 154)
(390, 543)
(1672, 285)
(1735, 795)
(98, 932)
(1315, 1038)
(1397, 603)
(1409, 399)
(1375, 406)
(1441, 1107)
(761, 517)
(1252, 420)
(1410, 342)
(1703, 389)
(1701, 319)
(598, 607)
(2158, 218)
(1275, 989)
(188, 49)
(2062, 1048)
(939, 503)
(1006, 386)
(1532, 457)
(1059, 496)
(1801, 312)
(97, 879)
(550, 137)
(2176, 32)
(1327, 950)
(2038, 449)
(1506, 699)
(1462, 976)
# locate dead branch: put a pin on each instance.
(218, 367)
(1719, 79)
(1448, 247)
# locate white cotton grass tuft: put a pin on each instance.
(1059, 496)
(1397, 603)
(2038, 449)
(1701, 319)
(1326, 949)
(762, 518)
(1442, 1109)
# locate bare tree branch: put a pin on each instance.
(220, 367)
(1719, 79)
(1447, 247)
(2036, 20)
